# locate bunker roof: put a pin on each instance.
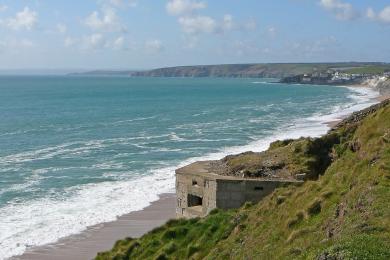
(206, 170)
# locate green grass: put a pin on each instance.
(310, 156)
(343, 214)
(369, 70)
(178, 239)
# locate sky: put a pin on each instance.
(144, 34)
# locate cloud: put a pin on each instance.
(106, 20)
(98, 41)
(123, 3)
(198, 24)
(154, 46)
(62, 28)
(25, 19)
(251, 25)
(183, 7)
(118, 43)
(342, 10)
(370, 13)
(228, 23)
(193, 23)
(271, 31)
(121, 43)
(94, 41)
(69, 41)
(383, 16)
(3, 8)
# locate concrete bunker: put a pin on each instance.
(194, 201)
(199, 190)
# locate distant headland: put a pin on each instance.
(256, 70)
(370, 74)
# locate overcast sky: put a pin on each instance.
(138, 34)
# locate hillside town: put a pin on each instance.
(332, 77)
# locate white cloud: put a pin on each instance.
(193, 23)
(198, 24)
(154, 46)
(228, 23)
(106, 20)
(3, 8)
(118, 43)
(123, 3)
(25, 19)
(94, 41)
(99, 41)
(383, 16)
(342, 10)
(271, 30)
(370, 13)
(62, 28)
(183, 7)
(122, 43)
(69, 41)
(251, 25)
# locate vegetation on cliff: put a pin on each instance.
(344, 213)
(259, 70)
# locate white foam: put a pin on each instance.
(44, 221)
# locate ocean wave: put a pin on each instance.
(44, 221)
(73, 149)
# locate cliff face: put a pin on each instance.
(384, 87)
(233, 70)
(343, 213)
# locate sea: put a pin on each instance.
(78, 151)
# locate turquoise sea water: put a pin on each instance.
(77, 151)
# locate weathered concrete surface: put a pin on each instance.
(199, 190)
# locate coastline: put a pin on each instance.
(381, 97)
(102, 237)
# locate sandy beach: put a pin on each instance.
(103, 236)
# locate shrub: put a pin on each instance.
(298, 218)
(314, 208)
(192, 250)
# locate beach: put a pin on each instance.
(102, 237)
(379, 98)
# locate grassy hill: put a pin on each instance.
(273, 70)
(344, 213)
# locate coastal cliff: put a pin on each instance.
(384, 87)
(341, 212)
(259, 70)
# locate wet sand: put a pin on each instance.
(103, 236)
